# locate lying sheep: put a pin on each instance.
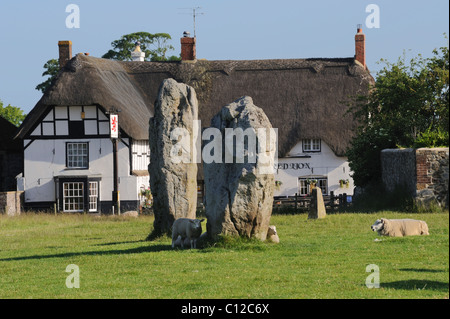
(400, 227)
(272, 235)
(131, 214)
(186, 228)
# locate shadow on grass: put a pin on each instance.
(205, 246)
(120, 243)
(423, 270)
(137, 250)
(417, 285)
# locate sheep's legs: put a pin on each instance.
(174, 240)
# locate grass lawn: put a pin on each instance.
(315, 259)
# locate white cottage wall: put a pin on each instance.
(301, 164)
(45, 159)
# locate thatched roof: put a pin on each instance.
(303, 98)
(93, 81)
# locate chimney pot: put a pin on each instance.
(65, 52)
(359, 28)
(188, 50)
(137, 54)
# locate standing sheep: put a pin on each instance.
(186, 228)
(186, 242)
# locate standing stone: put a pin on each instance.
(317, 208)
(173, 182)
(239, 195)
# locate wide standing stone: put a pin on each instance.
(172, 170)
(239, 196)
(317, 207)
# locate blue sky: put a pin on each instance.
(228, 29)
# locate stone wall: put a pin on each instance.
(422, 172)
(11, 203)
(432, 175)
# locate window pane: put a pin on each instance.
(316, 145)
(311, 145)
(305, 187)
(77, 155)
(73, 197)
(93, 196)
(307, 145)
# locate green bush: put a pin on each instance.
(432, 139)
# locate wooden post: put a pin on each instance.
(296, 201)
(115, 195)
(332, 200)
(115, 135)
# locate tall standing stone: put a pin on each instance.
(239, 194)
(172, 170)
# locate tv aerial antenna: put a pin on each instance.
(194, 12)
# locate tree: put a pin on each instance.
(12, 113)
(52, 69)
(155, 47)
(408, 107)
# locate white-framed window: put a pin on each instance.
(311, 145)
(305, 185)
(73, 197)
(93, 196)
(323, 184)
(77, 155)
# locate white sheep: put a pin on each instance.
(400, 227)
(186, 228)
(272, 235)
(131, 214)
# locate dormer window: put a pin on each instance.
(311, 145)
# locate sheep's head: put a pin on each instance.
(197, 225)
(378, 225)
(272, 231)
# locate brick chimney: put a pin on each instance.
(65, 52)
(360, 46)
(188, 52)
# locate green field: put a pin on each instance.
(315, 259)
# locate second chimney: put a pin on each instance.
(360, 46)
(137, 54)
(65, 52)
(188, 51)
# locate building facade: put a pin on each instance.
(312, 161)
(68, 155)
(69, 162)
